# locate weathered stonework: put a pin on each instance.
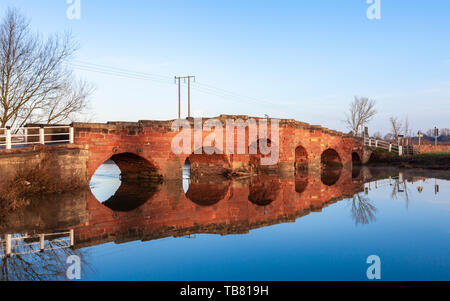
(70, 160)
(152, 140)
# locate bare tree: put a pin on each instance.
(430, 133)
(36, 84)
(396, 127)
(361, 111)
(388, 137)
(442, 132)
(378, 135)
(445, 132)
(406, 129)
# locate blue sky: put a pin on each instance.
(290, 59)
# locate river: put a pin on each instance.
(267, 227)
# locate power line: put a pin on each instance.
(115, 69)
(138, 77)
(162, 79)
(120, 74)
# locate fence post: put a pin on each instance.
(41, 135)
(41, 242)
(376, 143)
(71, 134)
(390, 147)
(8, 245)
(8, 137)
(25, 133)
(400, 150)
(72, 238)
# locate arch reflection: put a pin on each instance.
(131, 195)
(301, 182)
(330, 176)
(263, 190)
(207, 193)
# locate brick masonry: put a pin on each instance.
(300, 143)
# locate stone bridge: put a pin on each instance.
(144, 149)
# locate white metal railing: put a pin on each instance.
(13, 245)
(391, 147)
(26, 136)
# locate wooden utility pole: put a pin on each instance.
(436, 134)
(189, 96)
(179, 99)
(179, 78)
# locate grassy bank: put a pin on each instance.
(32, 181)
(440, 161)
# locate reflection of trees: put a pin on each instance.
(39, 266)
(363, 211)
(397, 188)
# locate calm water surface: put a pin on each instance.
(306, 227)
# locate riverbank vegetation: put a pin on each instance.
(33, 180)
(440, 161)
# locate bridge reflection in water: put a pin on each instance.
(212, 205)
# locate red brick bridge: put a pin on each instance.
(143, 148)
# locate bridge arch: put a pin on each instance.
(255, 159)
(301, 158)
(131, 164)
(208, 161)
(135, 168)
(330, 159)
(139, 181)
(356, 159)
